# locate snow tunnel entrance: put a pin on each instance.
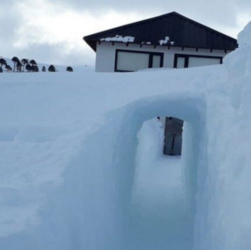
(156, 191)
(159, 206)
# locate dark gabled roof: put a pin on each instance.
(180, 29)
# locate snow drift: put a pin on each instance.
(72, 168)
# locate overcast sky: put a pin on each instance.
(51, 31)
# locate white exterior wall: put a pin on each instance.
(105, 58)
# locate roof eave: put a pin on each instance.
(93, 39)
(93, 45)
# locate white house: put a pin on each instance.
(170, 40)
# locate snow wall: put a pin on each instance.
(223, 220)
(92, 206)
(81, 195)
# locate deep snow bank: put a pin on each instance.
(68, 146)
(224, 197)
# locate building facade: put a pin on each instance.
(169, 41)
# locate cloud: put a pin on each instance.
(213, 11)
(56, 54)
(53, 34)
(8, 23)
(52, 31)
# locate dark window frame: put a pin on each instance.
(150, 62)
(186, 57)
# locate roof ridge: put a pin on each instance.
(212, 38)
(159, 17)
(132, 24)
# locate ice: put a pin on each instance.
(81, 164)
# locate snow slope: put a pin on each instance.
(72, 171)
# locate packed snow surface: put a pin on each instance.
(81, 164)
(159, 187)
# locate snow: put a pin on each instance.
(164, 41)
(147, 43)
(158, 188)
(70, 139)
(81, 164)
(118, 38)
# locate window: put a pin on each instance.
(188, 61)
(196, 61)
(128, 60)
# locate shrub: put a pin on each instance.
(33, 62)
(2, 62)
(69, 69)
(8, 67)
(52, 68)
(34, 68)
(28, 67)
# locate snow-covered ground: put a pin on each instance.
(79, 171)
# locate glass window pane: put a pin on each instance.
(130, 61)
(180, 62)
(156, 61)
(200, 61)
